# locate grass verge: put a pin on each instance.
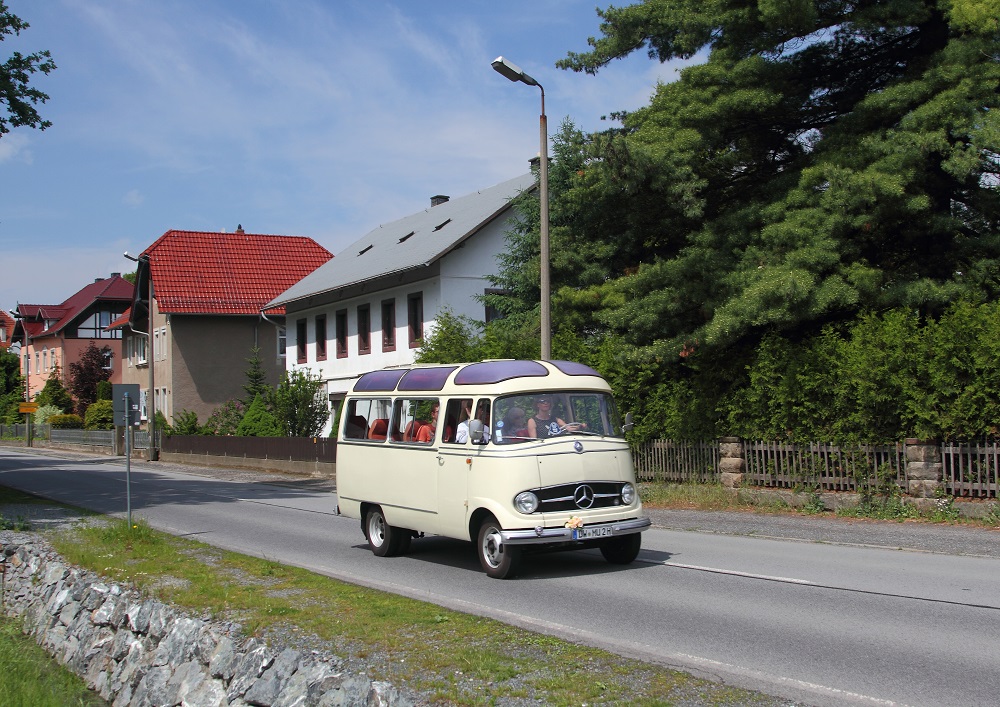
(714, 497)
(455, 658)
(29, 675)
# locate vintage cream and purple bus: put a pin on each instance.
(512, 455)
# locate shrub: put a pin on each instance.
(66, 422)
(258, 421)
(186, 423)
(45, 412)
(104, 390)
(225, 419)
(100, 415)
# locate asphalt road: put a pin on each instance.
(838, 616)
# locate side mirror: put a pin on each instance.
(627, 427)
(476, 431)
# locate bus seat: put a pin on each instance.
(357, 426)
(379, 430)
(411, 430)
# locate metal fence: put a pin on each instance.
(680, 461)
(319, 449)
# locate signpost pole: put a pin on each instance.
(128, 458)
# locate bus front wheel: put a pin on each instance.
(499, 561)
(622, 550)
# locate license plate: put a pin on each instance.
(601, 531)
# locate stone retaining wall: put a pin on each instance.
(140, 652)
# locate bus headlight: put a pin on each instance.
(628, 494)
(526, 502)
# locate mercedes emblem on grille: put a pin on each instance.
(583, 496)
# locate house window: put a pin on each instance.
(140, 350)
(415, 318)
(156, 345)
(282, 341)
(341, 325)
(389, 325)
(143, 404)
(320, 337)
(300, 340)
(45, 359)
(162, 346)
(364, 329)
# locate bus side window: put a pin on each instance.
(415, 420)
(364, 412)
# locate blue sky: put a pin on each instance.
(318, 118)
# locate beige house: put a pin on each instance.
(207, 293)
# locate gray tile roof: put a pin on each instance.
(411, 242)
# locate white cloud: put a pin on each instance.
(133, 198)
(14, 147)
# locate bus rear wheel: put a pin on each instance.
(383, 539)
(498, 560)
(622, 550)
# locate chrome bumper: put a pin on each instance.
(565, 535)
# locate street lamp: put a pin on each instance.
(513, 72)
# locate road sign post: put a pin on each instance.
(125, 403)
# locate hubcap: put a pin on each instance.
(493, 548)
(376, 530)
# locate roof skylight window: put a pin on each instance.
(442, 225)
(406, 236)
(365, 250)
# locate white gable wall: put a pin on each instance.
(461, 280)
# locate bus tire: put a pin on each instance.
(383, 539)
(499, 561)
(622, 550)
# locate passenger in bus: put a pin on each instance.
(542, 425)
(483, 415)
(514, 427)
(426, 433)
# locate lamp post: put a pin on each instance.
(513, 72)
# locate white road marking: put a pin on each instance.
(736, 573)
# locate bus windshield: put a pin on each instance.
(527, 417)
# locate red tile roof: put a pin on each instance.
(195, 272)
(34, 316)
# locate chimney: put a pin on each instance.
(116, 274)
(239, 228)
(439, 199)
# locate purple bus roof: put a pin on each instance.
(496, 371)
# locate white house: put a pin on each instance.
(371, 305)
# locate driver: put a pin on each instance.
(543, 425)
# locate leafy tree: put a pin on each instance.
(299, 404)
(55, 394)
(256, 378)
(258, 421)
(11, 387)
(87, 373)
(825, 160)
(18, 98)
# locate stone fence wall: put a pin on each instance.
(140, 652)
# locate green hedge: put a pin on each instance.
(66, 422)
